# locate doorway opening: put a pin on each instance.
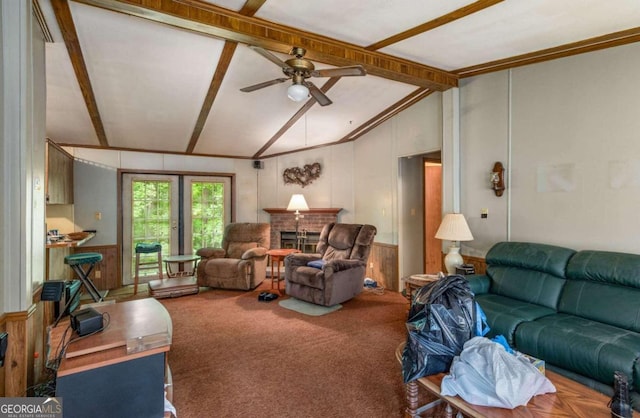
(432, 212)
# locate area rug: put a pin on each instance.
(307, 308)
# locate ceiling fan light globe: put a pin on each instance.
(297, 92)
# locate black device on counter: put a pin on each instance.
(86, 321)
(465, 269)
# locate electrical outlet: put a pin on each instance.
(370, 265)
(98, 274)
(98, 216)
(484, 213)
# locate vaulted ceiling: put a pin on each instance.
(165, 75)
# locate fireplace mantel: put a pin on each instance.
(331, 211)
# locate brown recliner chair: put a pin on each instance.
(340, 265)
(241, 263)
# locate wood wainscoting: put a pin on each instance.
(383, 265)
(106, 274)
(15, 375)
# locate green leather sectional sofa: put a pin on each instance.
(579, 311)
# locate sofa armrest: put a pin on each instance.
(211, 252)
(479, 283)
(254, 253)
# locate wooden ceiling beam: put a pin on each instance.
(70, 36)
(432, 24)
(249, 9)
(216, 81)
(225, 24)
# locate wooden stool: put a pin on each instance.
(76, 262)
(147, 248)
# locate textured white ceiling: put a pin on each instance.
(150, 79)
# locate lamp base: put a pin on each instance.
(453, 259)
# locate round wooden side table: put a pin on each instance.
(276, 256)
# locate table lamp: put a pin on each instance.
(453, 228)
(297, 203)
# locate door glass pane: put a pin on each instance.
(207, 214)
(151, 218)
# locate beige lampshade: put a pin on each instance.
(297, 202)
(454, 228)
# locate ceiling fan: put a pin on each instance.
(300, 70)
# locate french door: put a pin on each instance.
(182, 213)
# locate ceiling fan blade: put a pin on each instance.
(353, 70)
(263, 84)
(317, 94)
(268, 55)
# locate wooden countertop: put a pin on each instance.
(72, 243)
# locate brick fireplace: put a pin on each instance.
(311, 221)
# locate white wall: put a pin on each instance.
(21, 155)
(575, 152)
(415, 131)
(95, 182)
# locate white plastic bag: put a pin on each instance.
(485, 374)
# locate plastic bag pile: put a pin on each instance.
(485, 374)
(443, 316)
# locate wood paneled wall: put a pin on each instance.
(107, 273)
(383, 265)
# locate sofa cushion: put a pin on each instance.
(606, 267)
(613, 305)
(526, 285)
(530, 256)
(583, 346)
(604, 286)
(505, 314)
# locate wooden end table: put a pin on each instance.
(415, 282)
(276, 256)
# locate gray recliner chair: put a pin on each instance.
(336, 272)
(241, 263)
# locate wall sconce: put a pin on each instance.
(497, 178)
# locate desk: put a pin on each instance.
(181, 260)
(277, 255)
(98, 378)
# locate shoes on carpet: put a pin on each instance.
(267, 297)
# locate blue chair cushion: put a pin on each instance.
(148, 247)
(82, 258)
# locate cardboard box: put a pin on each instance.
(539, 364)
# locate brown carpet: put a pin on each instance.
(233, 356)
